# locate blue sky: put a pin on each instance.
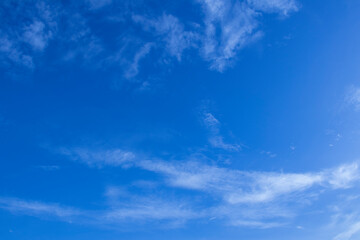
(194, 119)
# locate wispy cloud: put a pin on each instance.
(234, 186)
(12, 53)
(133, 209)
(27, 33)
(35, 208)
(227, 27)
(172, 31)
(127, 207)
(36, 36)
(116, 157)
(239, 198)
(275, 6)
(353, 97)
(349, 233)
(223, 29)
(216, 139)
(133, 69)
(237, 22)
(96, 4)
(237, 25)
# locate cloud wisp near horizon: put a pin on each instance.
(239, 198)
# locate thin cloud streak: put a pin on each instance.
(216, 140)
(34, 208)
(234, 186)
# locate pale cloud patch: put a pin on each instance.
(237, 25)
(27, 31)
(234, 186)
(96, 4)
(133, 69)
(277, 6)
(132, 209)
(271, 154)
(11, 52)
(115, 157)
(215, 139)
(241, 198)
(344, 176)
(149, 209)
(36, 36)
(172, 31)
(249, 187)
(349, 233)
(35, 208)
(353, 97)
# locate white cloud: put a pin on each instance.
(172, 32)
(36, 36)
(133, 209)
(240, 198)
(234, 186)
(237, 25)
(256, 224)
(353, 97)
(150, 209)
(227, 27)
(344, 176)
(13, 53)
(215, 139)
(133, 69)
(34, 208)
(349, 233)
(116, 157)
(230, 25)
(96, 4)
(218, 142)
(27, 31)
(210, 121)
(278, 6)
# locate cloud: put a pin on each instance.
(116, 157)
(34, 208)
(210, 121)
(344, 176)
(234, 186)
(229, 26)
(149, 208)
(256, 224)
(223, 29)
(133, 209)
(36, 36)
(96, 4)
(353, 97)
(275, 6)
(239, 198)
(345, 219)
(133, 69)
(171, 31)
(12, 53)
(349, 233)
(27, 31)
(216, 140)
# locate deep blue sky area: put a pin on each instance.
(195, 119)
